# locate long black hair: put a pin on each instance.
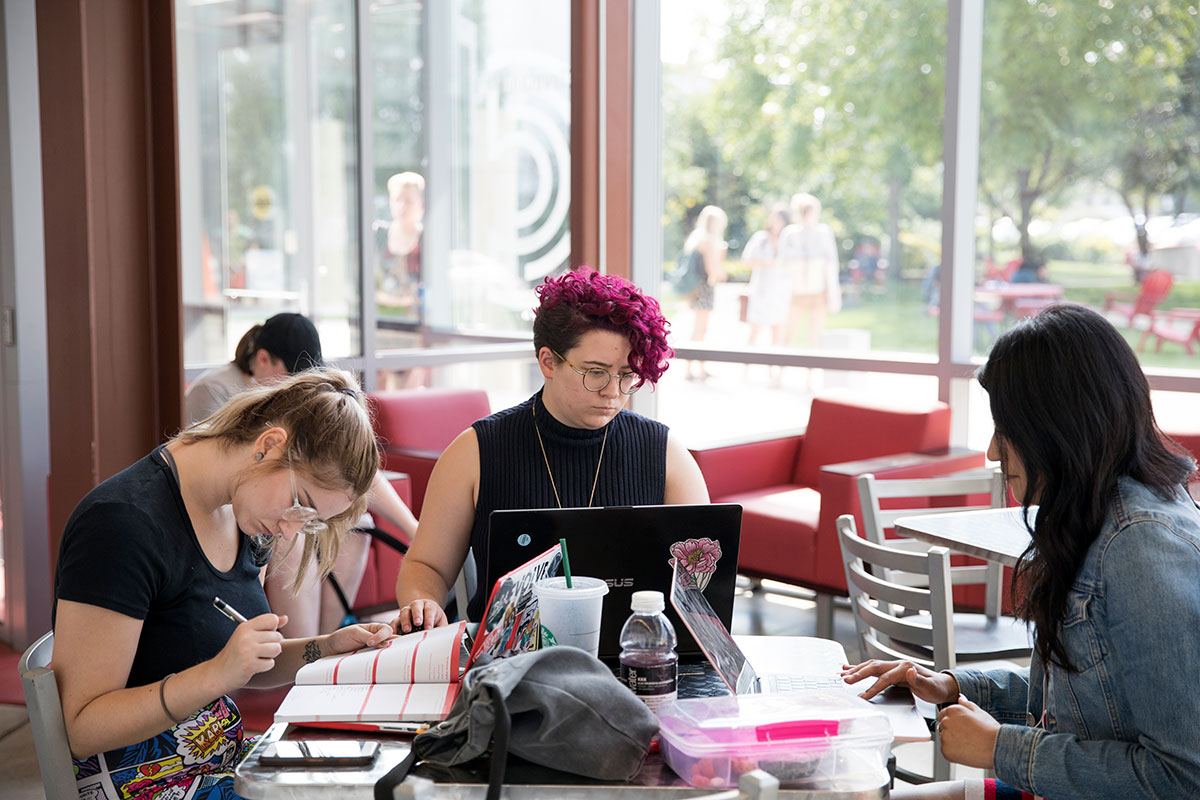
(1070, 402)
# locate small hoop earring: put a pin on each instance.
(259, 456)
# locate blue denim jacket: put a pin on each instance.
(1127, 725)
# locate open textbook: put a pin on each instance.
(415, 677)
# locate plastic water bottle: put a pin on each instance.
(649, 665)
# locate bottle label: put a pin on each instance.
(655, 684)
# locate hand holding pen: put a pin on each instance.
(228, 610)
(251, 649)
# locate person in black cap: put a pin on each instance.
(291, 339)
(283, 345)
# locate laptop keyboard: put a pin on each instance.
(696, 679)
(800, 683)
(699, 679)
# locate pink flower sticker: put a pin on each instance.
(696, 560)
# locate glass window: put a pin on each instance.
(505, 117)
(802, 181)
(508, 382)
(1089, 166)
(398, 149)
(823, 116)
(271, 170)
(268, 171)
(736, 409)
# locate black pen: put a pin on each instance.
(228, 610)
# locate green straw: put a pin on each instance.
(566, 562)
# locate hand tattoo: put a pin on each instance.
(312, 651)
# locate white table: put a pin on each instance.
(656, 780)
(993, 534)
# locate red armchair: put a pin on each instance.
(416, 425)
(1189, 439)
(377, 591)
(793, 488)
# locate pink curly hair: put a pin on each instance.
(582, 300)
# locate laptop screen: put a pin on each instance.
(631, 548)
(712, 635)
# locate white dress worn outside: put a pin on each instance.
(770, 283)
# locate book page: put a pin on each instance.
(431, 656)
(384, 702)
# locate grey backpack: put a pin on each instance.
(559, 707)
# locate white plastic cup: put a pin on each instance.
(571, 616)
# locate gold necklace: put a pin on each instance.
(546, 461)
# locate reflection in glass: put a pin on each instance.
(268, 171)
(506, 91)
(397, 130)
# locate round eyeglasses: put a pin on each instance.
(306, 516)
(595, 379)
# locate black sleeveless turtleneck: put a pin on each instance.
(512, 472)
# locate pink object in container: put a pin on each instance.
(808, 740)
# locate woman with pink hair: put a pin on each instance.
(597, 340)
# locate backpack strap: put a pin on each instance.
(385, 787)
(500, 735)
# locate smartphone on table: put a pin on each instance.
(319, 753)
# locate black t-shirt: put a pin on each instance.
(130, 547)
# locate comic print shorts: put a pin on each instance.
(193, 760)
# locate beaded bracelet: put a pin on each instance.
(162, 698)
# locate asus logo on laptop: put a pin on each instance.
(619, 583)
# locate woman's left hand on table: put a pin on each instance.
(968, 734)
(354, 637)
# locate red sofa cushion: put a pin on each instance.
(426, 419)
(378, 585)
(1190, 441)
(749, 466)
(784, 524)
(842, 428)
(416, 425)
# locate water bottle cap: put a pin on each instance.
(647, 602)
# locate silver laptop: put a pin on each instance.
(730, 663)
(727, 657)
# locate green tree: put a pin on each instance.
(824, 97)
(1156, 153)
(844, 99)
(1080, 90)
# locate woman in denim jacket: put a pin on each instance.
(1110, 582)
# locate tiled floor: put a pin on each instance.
(760, 613)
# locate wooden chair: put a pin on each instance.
(46, 720)
(1179, 325)
(1155, 288)
(929, 633)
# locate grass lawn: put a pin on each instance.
(895, 315)
(898, 321)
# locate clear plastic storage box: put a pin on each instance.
(808, 740)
